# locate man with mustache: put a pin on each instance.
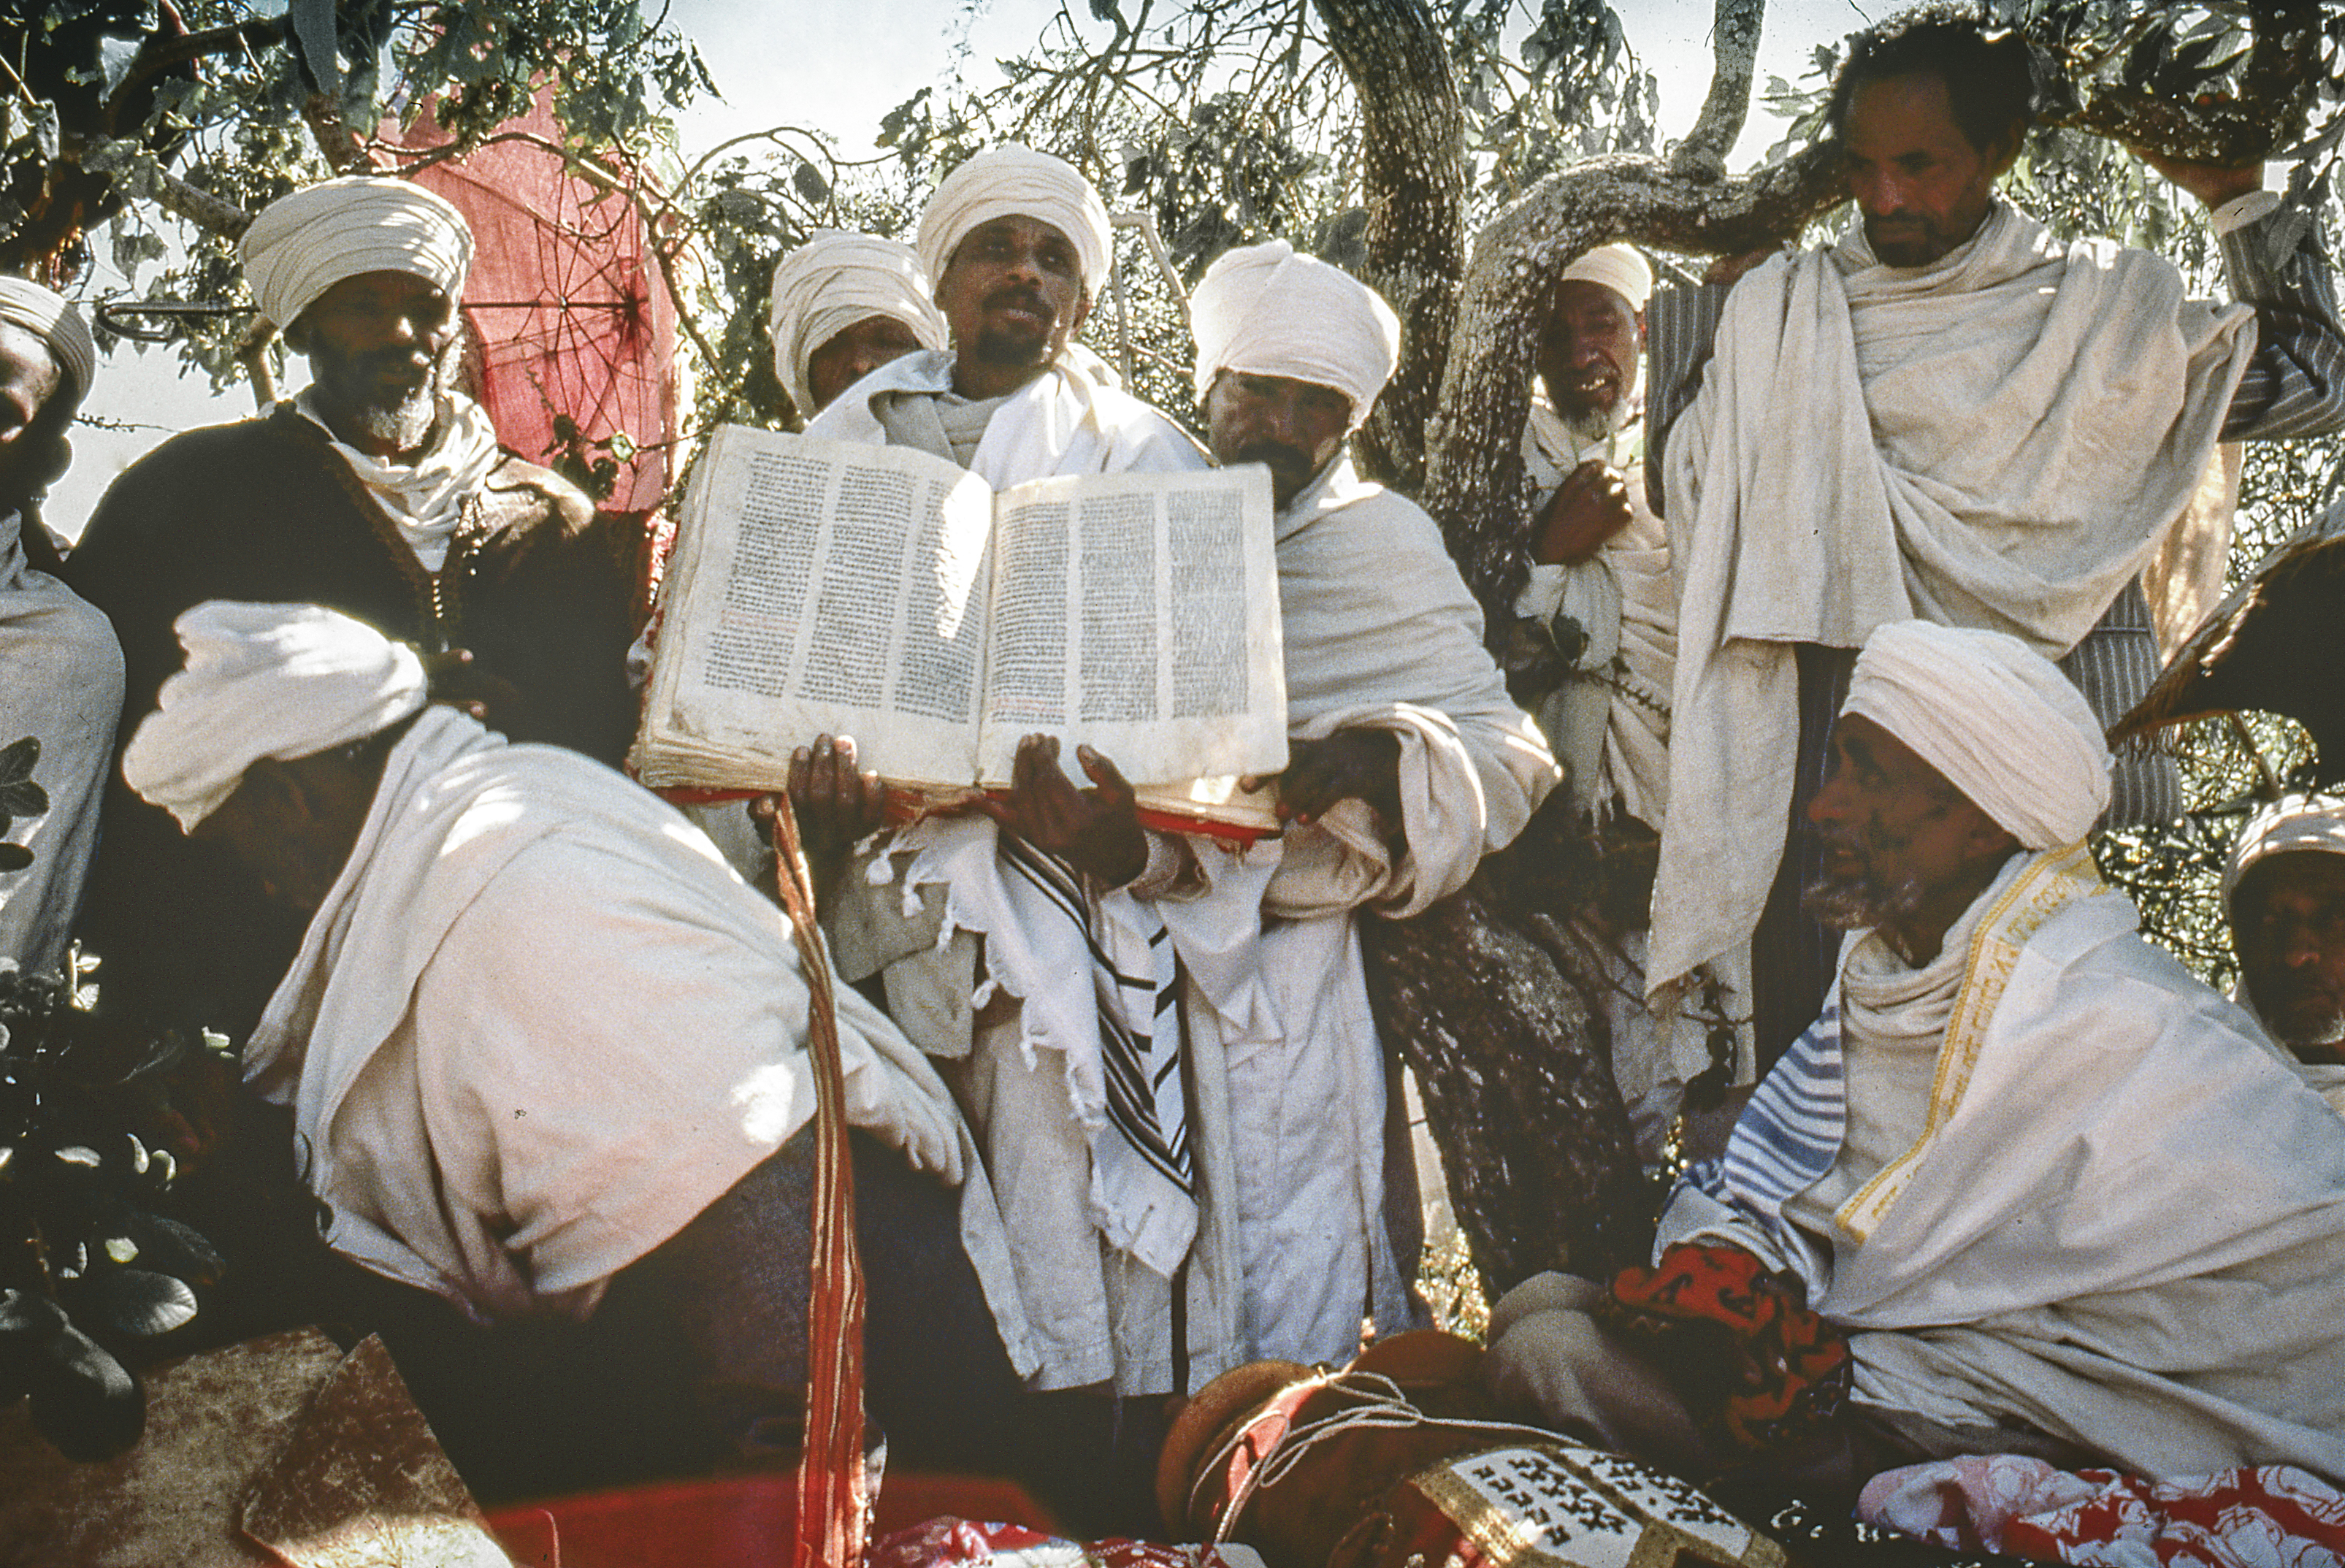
(1406, 764)
(2026, 1185)
(2285, 884)
(379, 491)
(1950, 413)
(1010, 950)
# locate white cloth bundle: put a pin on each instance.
(1011, 180)
(1998, 719)
(264, 680)
(51, 317)
(1262, 309)
(1999, 439)
(835, 280)
(303, 244)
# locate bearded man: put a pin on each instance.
(1949, 413)
(843, 305)
(2027, 1186)
(379, 491)
(2285, 887)
(1406, 764)
(63, 669)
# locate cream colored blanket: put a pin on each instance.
(1997, 440)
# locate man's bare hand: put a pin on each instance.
(2211, 183)
(454, 679)
(1097, 831)
(1588, 507)
(1351, 764)
(836, 803)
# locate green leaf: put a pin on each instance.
(135, 1301)
(15, 857)
(18, 759)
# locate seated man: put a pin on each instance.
(2056, 1194)
(545, 1058)
(380, 490)
(1407, 764)
(2285, 884)
(63, 670)
(843, 305)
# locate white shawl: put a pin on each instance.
(1380, 633)
(1997, 440)
(1069, 420)
(2124, 1220)
(537, 1025)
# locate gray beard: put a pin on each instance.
(1856, 903)
(406, 426)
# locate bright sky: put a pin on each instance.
(838, 66)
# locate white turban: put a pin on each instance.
(303, 244)
(51, 317)
(2290, 823)
(835, 280)
(264, 680)
(1264, 311)
(1616, 267)
(1011, 180)
(1996, 718)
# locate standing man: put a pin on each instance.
(60, 668)
(845, 304)
(1596, 637)
(1407, 763)
(379, 491)
(2284, 885)
(1949, 413)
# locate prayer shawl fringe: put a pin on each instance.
(1998, 440)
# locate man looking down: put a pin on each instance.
(2056, 1194)
(546, 1059)
(2284, 885)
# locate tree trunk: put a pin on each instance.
(1413, 178)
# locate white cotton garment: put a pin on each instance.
(427, 498)
(301, 245)
(1013, 180)
(1998, 440)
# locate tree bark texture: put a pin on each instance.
(1412, 179)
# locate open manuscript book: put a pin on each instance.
(830, 588)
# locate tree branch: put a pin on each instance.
(1734, 45)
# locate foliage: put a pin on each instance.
(19, 797)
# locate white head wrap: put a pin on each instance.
(264, 680)
(1264, 310)
(1619, 268)
(835, 280)
(1013, 180)
(1996, 718)
(303, 244)
(51, 317)
(2290, 823)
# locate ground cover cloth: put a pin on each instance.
(2273, 1516)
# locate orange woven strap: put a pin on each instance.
(830, 1479)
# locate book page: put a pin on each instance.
(1139, 613)
(820, 587)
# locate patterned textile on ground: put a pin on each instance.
(2245, 1518)
(965, 1543)
(1755, 1366)
(1395, 1460)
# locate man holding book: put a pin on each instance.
(1408, 763)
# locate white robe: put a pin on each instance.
(538, 1025)
(62, 686)
(2112, 1214)
(1999, 439)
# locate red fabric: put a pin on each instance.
(1754, 1366)
(2273, 1517)
(599, 342)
